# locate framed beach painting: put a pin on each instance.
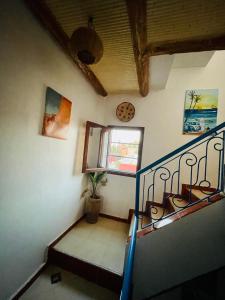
(57, 115)
(200, 110)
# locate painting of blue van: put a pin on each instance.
(200, 110)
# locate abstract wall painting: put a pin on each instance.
(200, 110)
(57, 115)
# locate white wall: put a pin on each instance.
(161, 113)
(181, 251)
(41, 178)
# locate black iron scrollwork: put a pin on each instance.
(165, 182)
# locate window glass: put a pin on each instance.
(123, 150)
(114, 149)
(93, 147)
(104, 149)
(122, 164)
(125, 136)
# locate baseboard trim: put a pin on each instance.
(52, 244)
(96, 274)
(29, 282)
(114, 218)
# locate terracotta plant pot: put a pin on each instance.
(93, 207)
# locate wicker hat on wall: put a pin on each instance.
(86, 44)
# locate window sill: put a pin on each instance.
(127, 174)
(90, 170)
(112, 172)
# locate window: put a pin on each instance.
(116, 149)
(124, 149)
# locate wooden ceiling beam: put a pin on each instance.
(40, 10)
(185, 46)
(138, 24)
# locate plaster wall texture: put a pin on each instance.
(41, 180)
(161, 113)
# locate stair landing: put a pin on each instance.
(102, 244)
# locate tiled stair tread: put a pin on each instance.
(178, 203)
(161, 212)
(146, 220)
(199, 194)
(181, 203)
(141, 222)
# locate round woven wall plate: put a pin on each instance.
(125, 111)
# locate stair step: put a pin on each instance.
(145, 220)
(141, 222)
(199, 193)
(159, 213)
(96, 274)
(178, 203)
(177, 206)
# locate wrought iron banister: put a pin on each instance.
(182, 148)
(197, 165)
(168, 171)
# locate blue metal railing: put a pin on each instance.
(128, 272)
(182, 148)
(128, 269)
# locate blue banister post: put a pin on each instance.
(128, 273)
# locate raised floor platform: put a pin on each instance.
(93, 251)
(102, 244)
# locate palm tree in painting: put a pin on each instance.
(195, 99)
(192, 95)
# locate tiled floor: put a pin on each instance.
(102, 244)
(69, 288)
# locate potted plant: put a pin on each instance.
(93, 204)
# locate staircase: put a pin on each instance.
(176, 205)
(177, 185)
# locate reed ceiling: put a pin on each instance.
(184, 19)
(167, 20)
(116, 70)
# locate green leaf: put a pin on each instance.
(95, 178)
(99, 177)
